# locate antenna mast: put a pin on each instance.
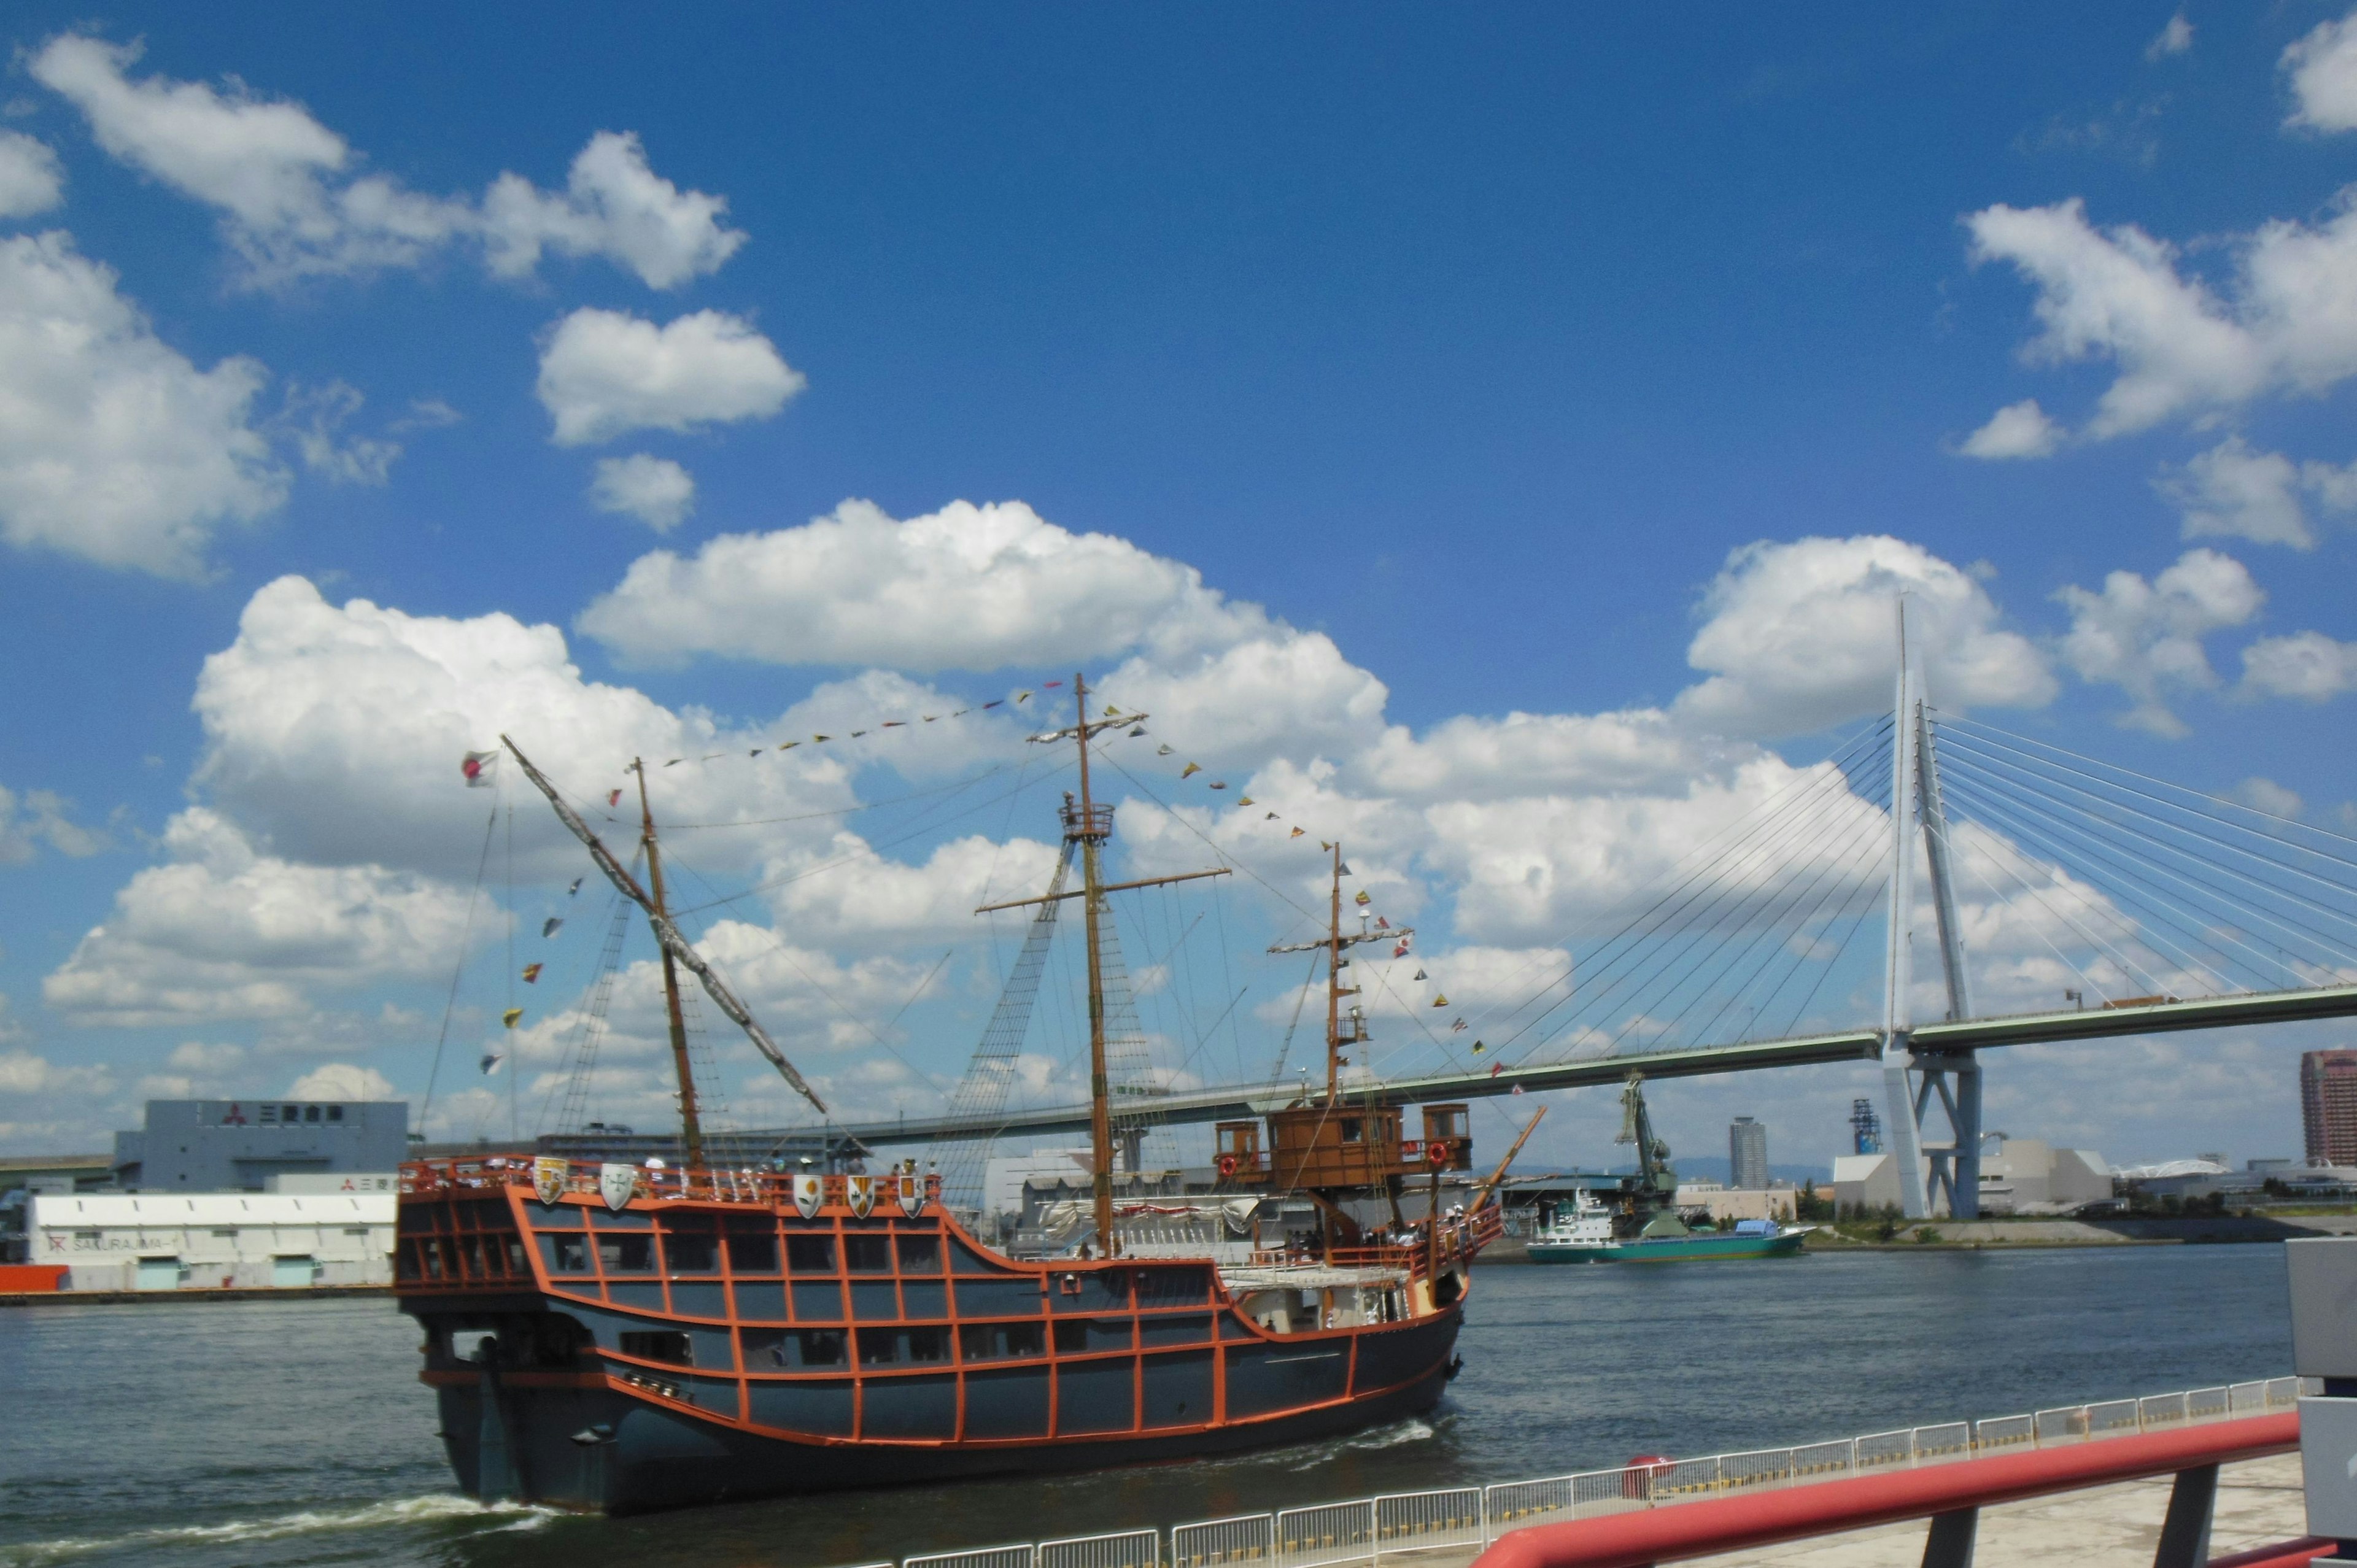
(1091, 828)
(690, 1125)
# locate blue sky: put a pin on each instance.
(1469, 347)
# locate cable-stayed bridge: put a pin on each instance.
(2028, 876)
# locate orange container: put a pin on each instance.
(31, 1278)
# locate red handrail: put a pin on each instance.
(1826, 1508)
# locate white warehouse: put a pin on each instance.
(244, 1241)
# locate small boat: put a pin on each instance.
(1587, 1236)
(1645, 1227)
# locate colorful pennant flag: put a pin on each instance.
(549, 926)
(579, 880)
(1479, 1048)
(1457, 1026)
(613, 799)
(1419, 974)
(1441, 1000)
(1364, 899)
(532, 974)
(508, 1017)
(477, 767)
(1497, 1067)
(489, 1063)
(1191, 770)
(1294, 833)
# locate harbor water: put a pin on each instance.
(295, 1432)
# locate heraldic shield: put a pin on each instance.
(859, 1191)
(912, 1193)
(809, 1193)
(549, 1178)
(615, 1185)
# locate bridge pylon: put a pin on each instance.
(1946, 1172)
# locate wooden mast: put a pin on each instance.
(1334, 986)
(690, 1124)
(1090, 834)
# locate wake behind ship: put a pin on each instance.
(625, 1336)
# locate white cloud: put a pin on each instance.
(2308, 665)
(39, 817)
(604, 373)
(2266, 795)
(967, 587)
(335, 731)
(296, 201)
(2145, 637)
(655, 491)
(2016, 430)
(1804, 635)
(24, 1073)
(613, 205)
(342, 1080)
(2173, 39)
(113, 448)
(30, 180)
(314, 418)
(2232, 491)
(2322, 66)
(226, 931)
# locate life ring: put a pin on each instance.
(1435, 1153)
(1227, 1166)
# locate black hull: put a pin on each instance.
(659, 1458)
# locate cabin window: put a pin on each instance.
(566, 1255)
(878, 1346)
(662, 1345)
(822, 1346)
(1353, 1130)
(928, 1343)
(867, 1254)
(810, 1254)
(753, 1252)
(920, 1254)
(1000, 1341)
(691, 1252)
(1076, 1334)
(627, 1254)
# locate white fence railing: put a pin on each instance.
(1462, 1521)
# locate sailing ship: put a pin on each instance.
(1645, 1227)
(628, 1336)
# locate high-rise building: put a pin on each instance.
(1747, 1154)
(2328, 1106)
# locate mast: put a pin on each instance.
(690, 1125)
(1091, 835)
(1334, 985)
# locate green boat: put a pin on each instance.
(1645, 1227)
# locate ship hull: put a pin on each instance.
(658, 1351)
(658, 1458)
(1668, 1250)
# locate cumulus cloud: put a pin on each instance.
(2266, 795)
(604, 373)
(655, 491)
(967, 587)
(2322, 67)
(2284, 322)
(2016, 430)
(2147, 637)
(30, 180)
(314, 418)
(335, 730)
(1802, 635)
(2308, 665)
(2173, 39)
(224, 930)
(113, 448)
(342, 1080)
(297, 201)
(40, 817)
(2232, 491)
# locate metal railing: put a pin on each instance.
(1463, 1521)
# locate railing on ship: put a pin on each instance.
(1459, 1237)
(1465, 1520)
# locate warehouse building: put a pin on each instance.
(238, 1146)
(215, 1240)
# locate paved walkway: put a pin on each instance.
(2260, 1503)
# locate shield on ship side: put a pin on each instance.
(615, 1185)
(912, 1194)
(549, 1178)
(859, 1191)
(808, 1195)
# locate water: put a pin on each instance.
(295, 1432)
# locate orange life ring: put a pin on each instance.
(1227, 1164)
(1436, 1152)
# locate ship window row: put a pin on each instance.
(693, 1252)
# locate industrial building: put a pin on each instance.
(151, 1241)
(237, 1145)
(2328, 1106)
(1747, 1155)
(2019, 1176)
